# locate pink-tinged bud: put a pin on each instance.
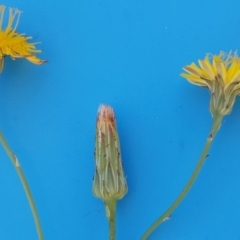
(109, 182)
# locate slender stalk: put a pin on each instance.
(24, 182)
(217, 120)
(111, 215)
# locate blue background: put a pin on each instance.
(128, 54)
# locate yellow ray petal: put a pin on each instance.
(235, 66)
(194, 80)
(236, 76)
(207, 68)
(193, 71)
(220, 70)
(35, 60)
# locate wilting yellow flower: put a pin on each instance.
(221, 75)
(109, 182)
(14, 44)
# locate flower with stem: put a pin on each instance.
(17, 46)
(14, 44)
(220, 74)
(109, 181)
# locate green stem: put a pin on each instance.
(111, 215)
(217, 120)
(23, 179)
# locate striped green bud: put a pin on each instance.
(109, 181)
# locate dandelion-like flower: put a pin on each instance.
(14, 44)
(221, 75)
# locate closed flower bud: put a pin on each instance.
(109, 182)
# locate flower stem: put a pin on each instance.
(24, 182)
(111, 215)
(217, 120)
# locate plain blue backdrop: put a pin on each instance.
(129, 54)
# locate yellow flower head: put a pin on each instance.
(221, 75)
(14, 44)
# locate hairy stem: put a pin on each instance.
(25, 185)
(111, 215)
(217, 120)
